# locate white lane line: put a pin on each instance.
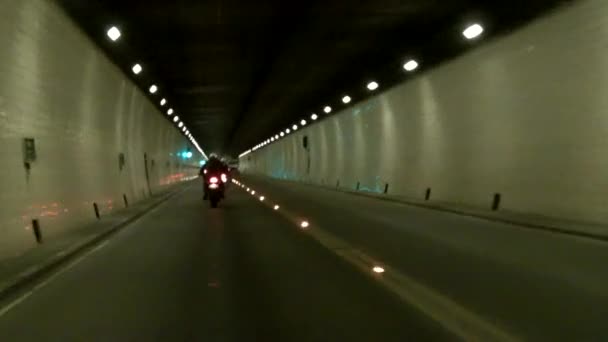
(452, 316)
(14, 303)
(42, 284)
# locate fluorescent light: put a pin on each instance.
(136, 69)
(303, 122)
(346, 99)
(410, 65)
(114, 33)
(373, 85)
(163, 102)
(170, 111)
(176, 119)
(472, 31)
(153, 89)
(314, 116)
(327, 109)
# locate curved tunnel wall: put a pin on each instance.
(58, 88)
(525, 115)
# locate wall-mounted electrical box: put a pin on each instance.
(29, 150)
(121, 161)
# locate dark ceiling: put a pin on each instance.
(239, 71)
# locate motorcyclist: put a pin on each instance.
(213, 166)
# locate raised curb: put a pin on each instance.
(48, 266)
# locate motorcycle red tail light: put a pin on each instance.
(213, 180)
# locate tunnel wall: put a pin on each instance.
(58, 88)
(524, 115)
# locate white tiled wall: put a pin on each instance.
(525, 115)
(58, 88)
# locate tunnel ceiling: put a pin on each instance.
(238, 71)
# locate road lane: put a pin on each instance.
(187, 272)
(536, 284)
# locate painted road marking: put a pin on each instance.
(42, 284)
(454, 317)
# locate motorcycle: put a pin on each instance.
(216, 185)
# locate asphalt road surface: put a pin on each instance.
(185, 272)
(535, 285)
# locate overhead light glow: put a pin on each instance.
(180, 124)
(153, 89)
(410, 65)
(373, 85)
(170, 111)
(287, 131)
(114, 33)
(378, 269)
(276, 207)
(262, 198)
(472, 31)
(303, 122)
(314, 117)
(276, 137)
(327, 109)
(176, 119)
(295, 127)
(282, 134)
(346, 99)
(304, 224)
(163, 102)
(252, 192)
(136, 69)
(272, 139)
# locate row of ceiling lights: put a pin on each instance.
(471, 32)
(114, 34)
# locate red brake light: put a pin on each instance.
(213, 180)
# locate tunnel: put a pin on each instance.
(231, 170)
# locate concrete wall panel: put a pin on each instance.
(524, 115)
(57, 87)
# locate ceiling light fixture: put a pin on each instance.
(327, 109)
(176, 119)
(314, 116)
(180, 124)
(170, 111)
(473, 31)
(303, 122)
(163, 102)
(346, 99)
(373, 85)
(114, 33)
(153, 89)
(410, 65)
(137, 69)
